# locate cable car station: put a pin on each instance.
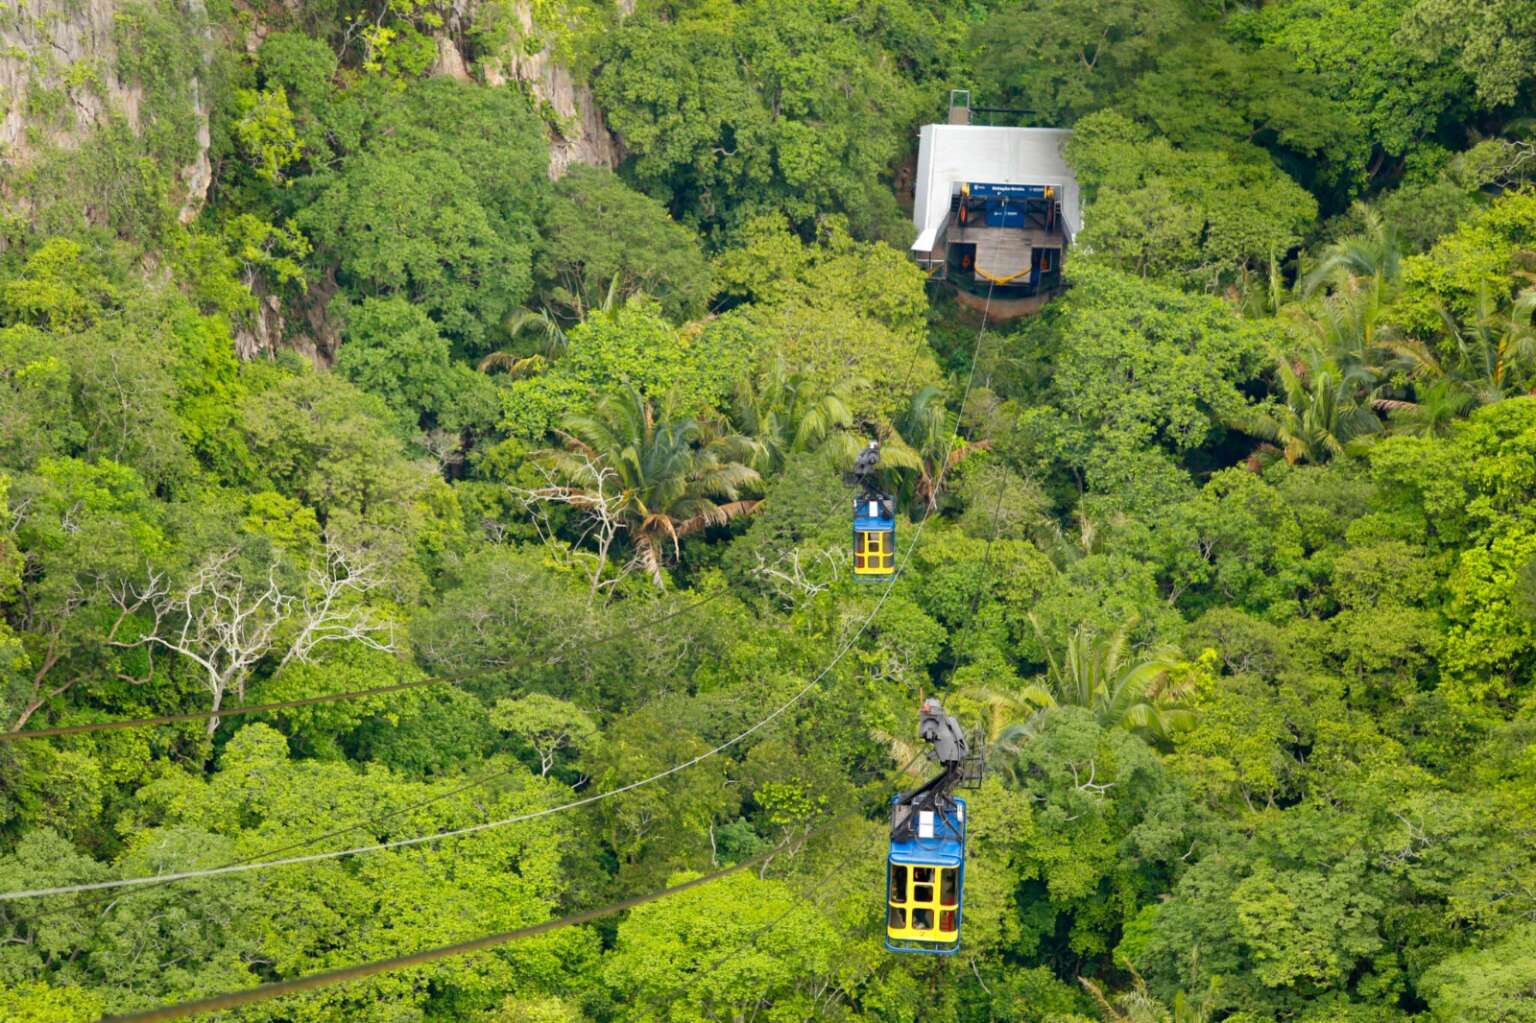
(995, 210)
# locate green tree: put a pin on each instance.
(410, 225)
(1375, 252)
(433, 198)
(1135, 366)
(1391, 98)
(1207, 92)
(842, 313)
(1491, 46)
(547, 725)
(394, 350)
(659, 963)
(1475, 259)
(1065, 61)
(691, 370)
(763, 106)
(89, 534)
(596, 233)
(1208, 217)
(1487, 984)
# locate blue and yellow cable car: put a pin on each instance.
(925, 883)
(874, 537)
(925, 869)
(874, 521)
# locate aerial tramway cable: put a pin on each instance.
(303, 843)
(298, 985)
(476, 782)
(240, 868)
(278, 989)
(473, 828)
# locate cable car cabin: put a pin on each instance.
(925, 884)
(874, 538)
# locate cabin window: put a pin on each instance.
(872, 552)
(947, 888)
(898, 883)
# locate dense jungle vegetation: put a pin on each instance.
(1230, 553)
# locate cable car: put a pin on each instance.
(925, 868)
(874, 537)
(925, 883)
(874, 521)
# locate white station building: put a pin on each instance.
(995, 209)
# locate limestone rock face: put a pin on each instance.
(581, 137)
(579, 134)
(61, 80)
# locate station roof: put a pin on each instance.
(949, 155)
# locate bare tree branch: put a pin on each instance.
(226, 623)
(596, 491)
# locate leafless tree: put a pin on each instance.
(799, 574)
(596, 491)
(226, 622)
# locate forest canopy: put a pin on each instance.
(477, 383)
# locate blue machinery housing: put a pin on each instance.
(925, 884)
(1005, 205)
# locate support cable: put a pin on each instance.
(757, 935)
(278, 989)
(473, 828)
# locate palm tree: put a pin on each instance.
(1494, 354)
(1097, 672)
(923, 442)
(574, 298)
(1319, 416)
(1375, 251)
(999, 714)
(668, 475)
(1139, 1005)
(527, 321)
(1436, 405)
(544, 324)
(781, 413)
(1349, 325)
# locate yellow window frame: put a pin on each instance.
(871, 555)
(924, 903)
